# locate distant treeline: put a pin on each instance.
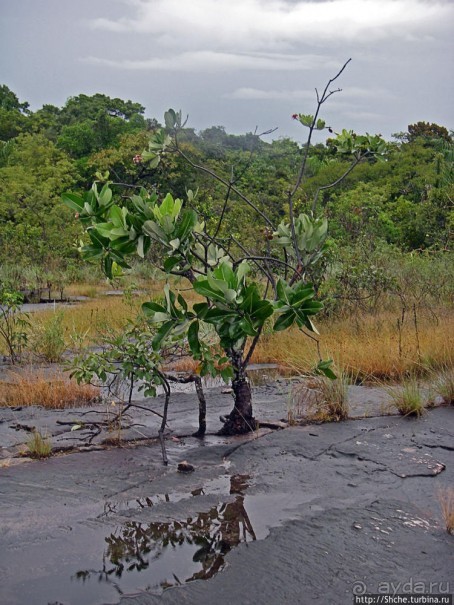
(405, 202)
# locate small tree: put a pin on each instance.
(240, 290)
(13, 323)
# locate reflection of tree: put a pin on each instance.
(213, 533)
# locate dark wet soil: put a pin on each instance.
(310, 514)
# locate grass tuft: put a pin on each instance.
(408, 399)
(39, 446)
(320, 399)
(443, 384)
(446, 500)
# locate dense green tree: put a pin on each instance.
(92, 123)
(33, 227)
(13, 114)
(427, 131)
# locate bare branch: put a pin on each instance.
(226, 184)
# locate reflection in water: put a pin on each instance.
(193, 549)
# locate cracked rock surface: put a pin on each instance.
(303, 515)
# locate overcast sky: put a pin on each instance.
(238, 63)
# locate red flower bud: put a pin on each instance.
(295, 116)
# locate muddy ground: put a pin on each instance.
(301, 515)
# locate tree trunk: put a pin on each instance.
(202, 408)
(240, 419)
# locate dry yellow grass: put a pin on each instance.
(89, 318)
(92, 317)
(446, 500)
(37, 388)
(369, 347)
(82, 289)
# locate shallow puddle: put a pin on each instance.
(168, 553)
(97, 562)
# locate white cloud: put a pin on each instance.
(207, 60)
(272, 24)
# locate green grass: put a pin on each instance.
(39, 446)
(409, 398)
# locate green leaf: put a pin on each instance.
(324, 368)
(283, 291)
(98, 239)
(73, 201)
(306, 119)
(92, 253)
(251, 297)
(193, 338)
(105, 196)
(200, 309)
(227, 374)
(150, 308)
(187, 224)
(247, 327)
(140, 250)
(170, 263)
(167, 224)
(107, 266)
(202, 287)
(170, 119)
(242, 270)
(162, 333)
(284, 321)
(262, 310)
(103, 230)
(152, 229)
(117, 217)
(225, 272)
(215, 315)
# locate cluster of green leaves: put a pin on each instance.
(350, 143)
(234, 307)
(116, 231)
(309, 235)
(128, 357)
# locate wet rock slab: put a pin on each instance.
(299, 516)
(270, 404)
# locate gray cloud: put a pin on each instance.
(238, 62)
(278, 23)
(207, 60)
